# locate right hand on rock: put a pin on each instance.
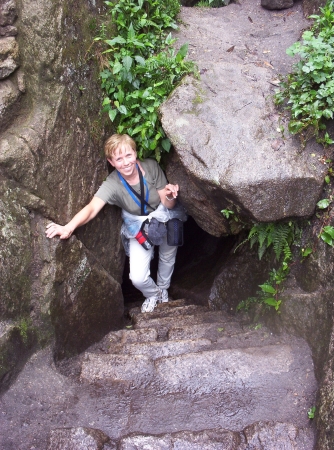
(54, 229)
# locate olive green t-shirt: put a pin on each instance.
(113, 191)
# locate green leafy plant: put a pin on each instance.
(306, 251)
(142, 69)
(280, 237)
(311, 412)
(227, 213)
(308, 91)
(327, 235)
(324, 203)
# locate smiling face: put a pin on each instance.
(124, 160)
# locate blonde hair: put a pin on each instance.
(118, 142)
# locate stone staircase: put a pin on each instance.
(183, 377)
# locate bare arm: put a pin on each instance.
(168, 195)
(85, 215)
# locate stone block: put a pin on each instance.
(276, 4)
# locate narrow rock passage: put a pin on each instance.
(181, 377)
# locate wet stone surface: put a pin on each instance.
(209, 385)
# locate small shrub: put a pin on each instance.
(308, 91)
(280, 237)
(142, 69)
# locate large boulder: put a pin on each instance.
(232, 148)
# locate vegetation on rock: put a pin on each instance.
(280, 237)
(308, 92)
(141, 69)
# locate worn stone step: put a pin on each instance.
(258, 436)
(123, 337)
(212, 371)
(156, 350)
(179, 320)
(223, 387)
(212, 331)
(167, 310)
(161, 306)
(136, 370)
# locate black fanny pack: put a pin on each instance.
(153, 232)
(175, 232)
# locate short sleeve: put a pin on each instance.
(107, 191)
(156, 174)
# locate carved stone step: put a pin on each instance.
(170, 309)
(156, 350)
(259, 436)
(136, 370)
(179, 320)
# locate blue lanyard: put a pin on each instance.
(136, 199)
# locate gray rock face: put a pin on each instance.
(225, 128)
(276, 4)
(307, 309)
(8, 12)
(78, 320)
(9, 94)
(15, 253)
(79, 439)
(312, 6)
(9, 30)
(9, 53)
(51, 164)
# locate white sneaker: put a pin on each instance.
(163, 298)
(149, 304)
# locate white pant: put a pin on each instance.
(140, 261)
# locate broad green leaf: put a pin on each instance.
(270, 301)
(182, 53)
(324, 203)
(116, 40)
(295, 126)
(127, 62)
(117, 67)
(153, 144)
(166, 145)
(267, 288)
(326, 238)
(140, 60)
(137, 129)
(112, 114)
(122, 109)
(329, 230)
(131, 32)
(120, 95)
(306, 251)
(106, 101)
